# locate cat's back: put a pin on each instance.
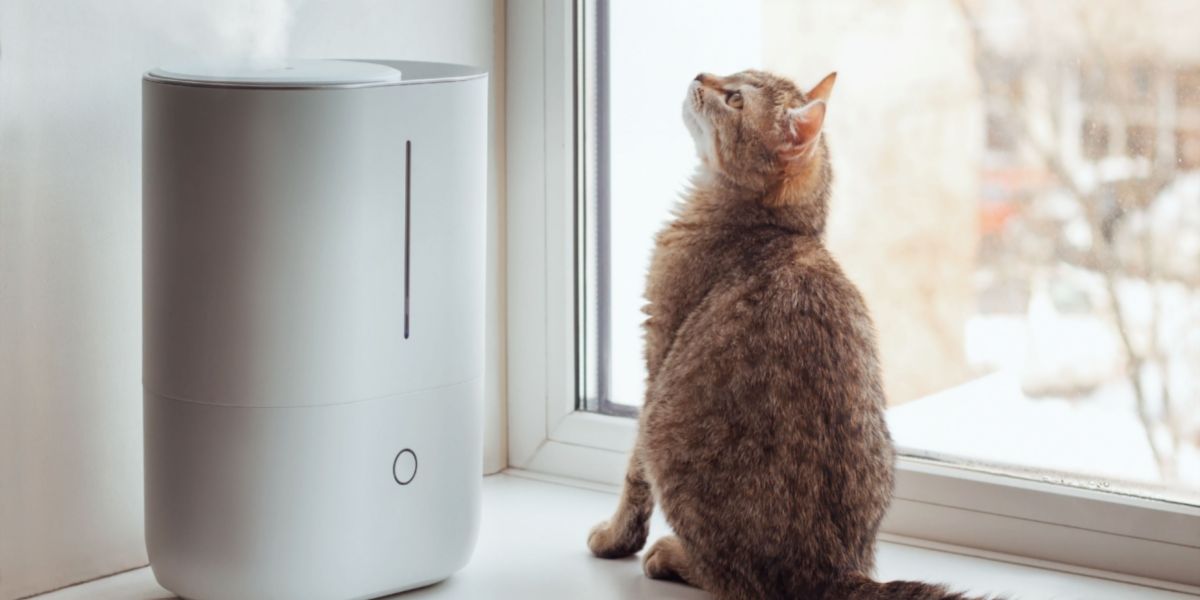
(693, 256)
(786, 301)
(766, 418)
(778, 273)
(810, 284)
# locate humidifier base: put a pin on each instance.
(341, 501)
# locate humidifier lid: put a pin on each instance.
(287, 74)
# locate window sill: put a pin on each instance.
(532, 546)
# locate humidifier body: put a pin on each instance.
(313, 288)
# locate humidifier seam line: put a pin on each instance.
(407, 230)
(175, 398)
(322, 87)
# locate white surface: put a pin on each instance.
(278, 266)
(276, 280)
(1099, 441)
(532, 547)
(282, 74)
(1014, 517)
(540, 273)
(70, 243)
(300, 503)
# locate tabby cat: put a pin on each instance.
(762, 436)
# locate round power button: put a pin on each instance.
(404, 467)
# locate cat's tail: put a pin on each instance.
(857, 587)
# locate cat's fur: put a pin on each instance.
(762, 436)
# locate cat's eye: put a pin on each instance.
(734, 99)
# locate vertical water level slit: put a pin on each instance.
(407, 228)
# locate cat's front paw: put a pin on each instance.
(666, 560)
(655, 565)
(607, 541)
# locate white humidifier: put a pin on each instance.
(313, 295)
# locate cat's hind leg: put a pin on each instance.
(625, 533)
(667, 560)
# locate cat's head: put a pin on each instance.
(754, 128)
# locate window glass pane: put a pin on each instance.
(648, 157)
(1017, 196)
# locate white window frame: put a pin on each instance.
(1133, 539)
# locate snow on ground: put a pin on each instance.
(990, 420)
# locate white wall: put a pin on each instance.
(70, 241)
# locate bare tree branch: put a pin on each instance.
(1101, 256)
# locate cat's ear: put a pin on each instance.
(803, 130)
(822, 90)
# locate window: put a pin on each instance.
(639, 158)
(1021, 176)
